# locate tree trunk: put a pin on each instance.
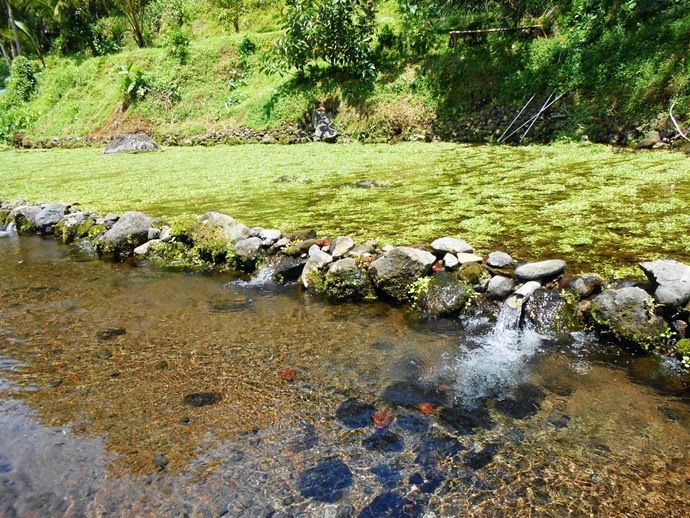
(5, 56)
(13, 26)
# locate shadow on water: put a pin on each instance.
(145, 392)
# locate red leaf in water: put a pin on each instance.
(437, 267)
(287, 374)
(426, 408)
(73, 378)
(382, 419)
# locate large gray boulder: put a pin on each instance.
(24, 218)
(395, 272)
(323, 127)
(548, 313)
(50, 216)
(345, 281)
(671, 281)
(131, 143)
(542, 270)
(248, 252)
(451, 245)
(444, 297)
(130, 231)
(627, 316)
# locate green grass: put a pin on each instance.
(596, 208)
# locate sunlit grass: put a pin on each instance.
(587, 204)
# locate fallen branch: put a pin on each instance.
(673, 119)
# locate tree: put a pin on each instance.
(133, 11)
(232, 10)
(336, 31)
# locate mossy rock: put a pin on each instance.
(4, 215)
(444, 296)
(683, 351)
(346, 282)
(550, 313)
(174, 255)
(627, 316)
(91, 230)
(472, 273)
(208, 241)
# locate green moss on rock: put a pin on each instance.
(472, 273)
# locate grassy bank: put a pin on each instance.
(592, 206)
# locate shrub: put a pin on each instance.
(247, 47)
(22, 81)
(133, 82)
(178, 45)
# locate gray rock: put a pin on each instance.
(464, 258)
(650, 139)
(166, 234)
(288, 269)
(270, 236)
(500, 287)
(279, 245)
(345, 281)
(143, 250)
(24, 217)
(444, 297)
(450, 261)
(671, 281)
(323, 127)
(363, 250)
(627, 316)
(451, 245)
(154, 233)
(522, 294)
(256, 231)
(499, 260)
(387, 248)
(68, 226)
(583, 285)
(238, 232)
(546, 312)
(248, 251)
(395, 272)
(341, 246)
(317, 261)
(219, 218)
(50, 216)
(268, 139)
(542, 270)
(130, 231)
(131, 143)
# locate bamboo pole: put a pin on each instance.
(516, 118)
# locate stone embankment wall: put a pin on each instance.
(444, 279)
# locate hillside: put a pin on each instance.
(616, 74)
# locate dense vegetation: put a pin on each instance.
(384, 67)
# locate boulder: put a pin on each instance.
(323, 127)
(650, 139)
(248, 252)
(500, 260)
(547, 312)
(670, 280)
(395, 272)
(627, 316)
(131, 143)
(288, 269)
(362, 250)
(345, 281)
(500, 287)
(269, 237)
(341, 246)
(311, 278)
(451, 245)
(583, 285)
(130, 231)
(68, 228)
(450, 261)
(238, 232)
(50, 216)
(444, 297)
(24, 218)
(542, 270)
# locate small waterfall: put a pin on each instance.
(8, 230)
(491, 364)
(262, 280)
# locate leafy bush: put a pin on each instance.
(247, 47)
(12, 120)
(178, 45)
(108, 35)
(133, 82)
(336, 31)
(22, 81)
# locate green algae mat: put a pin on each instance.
(596, 207)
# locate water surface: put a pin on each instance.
(96, 360)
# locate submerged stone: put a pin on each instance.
(389, 477)
(110, 333)
(412, 394)
(355, 414)
(437, 447)
(428, 482)
(478, 459)
(524, 402)
(326, 482)
(385, 441)
(390, 505)
(412, 423)
(199, 399)
(468, 420)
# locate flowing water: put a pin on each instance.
(313, 409)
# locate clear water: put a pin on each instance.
(486, 419)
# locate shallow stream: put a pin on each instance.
(313, 409)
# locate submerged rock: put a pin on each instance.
(627, 316)
(385, 441)
(525, 401)
(390, 505)
(671, 281)
(395, 272)
(110, 333)
(478, 459)
(542, 270)
(131, 143)
(355, 414)
(199, 399)
(468, 420)
(326, 482)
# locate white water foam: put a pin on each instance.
(263, 279)
(491, 364)
(9, 230)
